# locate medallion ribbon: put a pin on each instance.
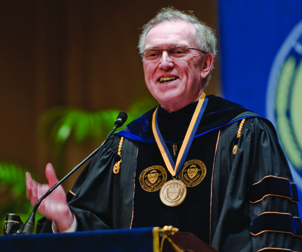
(185, 147)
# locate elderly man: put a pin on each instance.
(200, 163)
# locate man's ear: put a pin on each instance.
(206, 65)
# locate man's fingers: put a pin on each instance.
(31, 189)
(50, 175)
(34, 196)
(28, 181)
(42, 189)
(52, 205)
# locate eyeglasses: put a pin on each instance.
(175, 52)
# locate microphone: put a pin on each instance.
(29, 225)
(121, 119)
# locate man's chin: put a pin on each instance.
(172, 103)
(169, 99)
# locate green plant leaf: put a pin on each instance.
(61, 122)
(13, 176)
(81, 126)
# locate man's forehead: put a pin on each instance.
(171, 32)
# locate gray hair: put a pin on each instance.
(205, 36)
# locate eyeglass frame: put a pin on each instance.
(161, 51)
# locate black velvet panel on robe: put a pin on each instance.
(193, 214)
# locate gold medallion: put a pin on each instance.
(173, 193)
(193, 172)
(151, 179)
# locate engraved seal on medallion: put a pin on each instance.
(173, 193)
(193, 172)
(152, 178)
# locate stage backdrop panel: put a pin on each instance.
(261, 66)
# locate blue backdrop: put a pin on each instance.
(261, 67)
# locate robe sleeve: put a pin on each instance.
(98, 194)
(256, 199)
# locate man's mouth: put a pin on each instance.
(167, 79)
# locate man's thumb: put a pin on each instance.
(51, 175)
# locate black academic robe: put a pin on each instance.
(253, 202)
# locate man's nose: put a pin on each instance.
(166, 63)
